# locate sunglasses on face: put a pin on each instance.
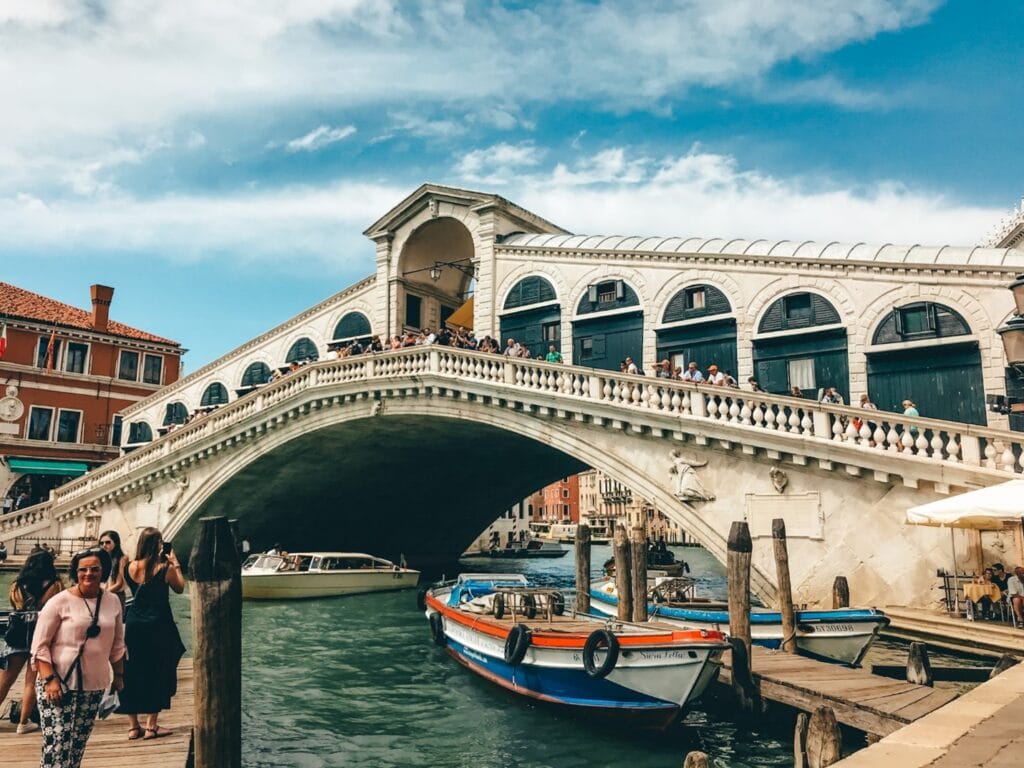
(105, 542)
(90, 569)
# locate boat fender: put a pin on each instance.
(421, 599)
(498, 606)
(557, 604)
(516, 644)
(529, 606)
(437, 630)
(598, 638)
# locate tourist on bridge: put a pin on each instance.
(832, 397)
(110, 542)
(8, 503)
(37, 582)
(78, 638)
(693, 373)
(3, 552)
(512, 348)
(630, 366)
(796, 392)
(754, 385)
(553, 355)
(715, 377)
(154, 645)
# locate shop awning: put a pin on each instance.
(47, 467)
(461, 317)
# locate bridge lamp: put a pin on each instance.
(1012, 332)
(435, 272)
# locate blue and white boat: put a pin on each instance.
(842, 636)
(519, 637)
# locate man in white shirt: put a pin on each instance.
(715, 377)
(693, 373)
(512, 348)
(1015, 593)
(631, 366)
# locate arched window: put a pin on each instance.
(798, 310)
(139, 432)
(215, 394)
(352, 325)
(530, 290)
(920, 320)
(176, 413)
(255, 375)
(696, 301)
(303, 349)
(607, 295)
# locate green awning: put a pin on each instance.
(47, 467)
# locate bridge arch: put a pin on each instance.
(435, 265)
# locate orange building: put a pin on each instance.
(65, 372)
(560, 502)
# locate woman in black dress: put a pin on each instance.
(154, 645)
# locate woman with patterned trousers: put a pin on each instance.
(79, 636)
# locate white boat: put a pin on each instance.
(519, 637)
(321, 574)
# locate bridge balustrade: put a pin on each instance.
(917, 439)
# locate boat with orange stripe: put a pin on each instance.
(521, 637)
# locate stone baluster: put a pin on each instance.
(907, 439)
(794, 421)
(936, 445)
(712, 408)
(892, 438)
(685, 403)
(757, 416)
(635, 392)
(745, 413)
(806, 424)
(990, 454)
(666, 399)
(734, 412)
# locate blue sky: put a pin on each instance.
(217, 162)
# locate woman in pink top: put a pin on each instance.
(79, 636)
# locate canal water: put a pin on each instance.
(357, 681)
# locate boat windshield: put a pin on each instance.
(347, 563)
(264, 562)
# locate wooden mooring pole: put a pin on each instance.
(623, 573)
(738, 555)
(919, 668)
(583, 568)
(824, 740)
(696, 760)
(840, 593)
(216, 593)
(638, 559)
(785, 585)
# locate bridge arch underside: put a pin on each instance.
(419, 485)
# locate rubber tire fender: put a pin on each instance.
(421, 599)
(596, 639)
(557, 603)
(529, 606)
(437, 630)
(498, 605)
(517, 643)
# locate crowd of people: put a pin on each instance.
(1011, 591)
(86, 650)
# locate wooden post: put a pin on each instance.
(800, 741)
(824, 740)
(840, 593)
(623, 575)
(583, 569)
(638, 559)
(216, 593)
(738, 555)
(748, 697)
(919, 669)
(1005, 662)
(785, 585)
(696, 760)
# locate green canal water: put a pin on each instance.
(357, 682)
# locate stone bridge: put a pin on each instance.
(416, 450)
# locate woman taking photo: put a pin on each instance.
(36, 583)
(154, 645)
(79, 637)
(110, 542)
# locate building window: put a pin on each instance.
(215, 394)
(176, 413)
(139, 432)
(565, 493)
(128, 369)
(413, 311)
(39, 422)
(115, 433)
(152, 369)
(75, 357)
(586, 348)
(695, 298)
(68, 423)
(917, 319)
(798, 306)
(303, 350)
(351, 326)
(43, 357)
(801, 373)
(446, 312)
(255, 375)
(549, 332)
(606, 293)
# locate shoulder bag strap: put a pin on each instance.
(89, 633)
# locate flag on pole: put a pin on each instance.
(3, 339)
(49, 351)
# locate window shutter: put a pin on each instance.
(620, 290)
(592, 294)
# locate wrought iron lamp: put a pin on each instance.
(465, 266)
(1012, 331)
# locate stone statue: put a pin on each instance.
(779, 479)
(688, 488)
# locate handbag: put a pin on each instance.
(108, 704)
(16, 635)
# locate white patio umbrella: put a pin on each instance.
(984, 509)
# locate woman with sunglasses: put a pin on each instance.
(79, 637)
(110, 542)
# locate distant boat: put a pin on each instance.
(519, 637)
(521, 549)
(657, 560)
(321, 574)
(842, 635)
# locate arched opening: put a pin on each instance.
(302, 351)
(532, 315)
(175, 413)
(800, 345)
(928, 362)
(255, 375)
(353, 325)
(435, 274)
(694, 329)
(607, 329)
(213, 395)
(139, 433)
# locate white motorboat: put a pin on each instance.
(321, 574)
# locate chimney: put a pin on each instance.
(101, 298)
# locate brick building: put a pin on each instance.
(65, 373)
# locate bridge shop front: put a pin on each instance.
(802, 344)
(609, 326)
(532, 315)
(696, 327)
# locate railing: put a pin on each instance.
(867, 431)
(61, 546)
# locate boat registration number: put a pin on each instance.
(833, 628)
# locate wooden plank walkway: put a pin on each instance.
(870, 703)
(109, 746)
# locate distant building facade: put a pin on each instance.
(65, 373)
(605, 503)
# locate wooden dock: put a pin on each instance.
(109, 746)
(870, 703)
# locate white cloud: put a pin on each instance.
(319, 138)
(498, 163)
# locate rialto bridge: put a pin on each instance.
(416, 450)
